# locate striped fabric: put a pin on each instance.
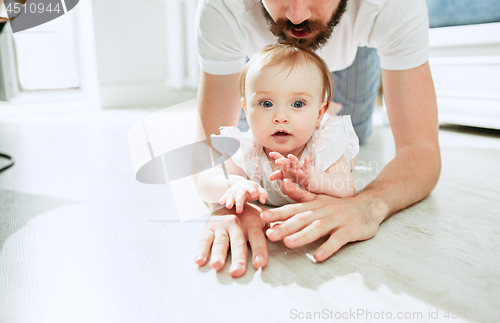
(356, 88)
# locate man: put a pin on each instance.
(347, 34)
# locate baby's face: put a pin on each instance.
(284, 107)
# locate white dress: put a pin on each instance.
(335, 137)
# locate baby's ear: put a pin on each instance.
(322, 110)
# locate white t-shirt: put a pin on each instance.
(229, 31)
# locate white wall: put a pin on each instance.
(131, 45)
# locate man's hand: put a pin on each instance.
(225, 229)
(241, 191)
(314, 216)
(290, 168)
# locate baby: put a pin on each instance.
(285, 92)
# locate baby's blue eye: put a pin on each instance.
(298, 104)
(266, 104)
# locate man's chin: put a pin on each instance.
(310, 41)
(307, 42)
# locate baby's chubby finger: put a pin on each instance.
(294, 162)
(276, 155)
(240, 200)
(262, 195)
(276, 175)
(307, 163)
(223, 199)
(230, 200)
(284, 163)
(252, 191)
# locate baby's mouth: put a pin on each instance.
(281, 135)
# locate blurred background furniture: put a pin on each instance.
(465, 60)
(50, 67)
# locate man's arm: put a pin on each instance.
(218, 101)
(408, 178)
(412, 109)
(212, 184)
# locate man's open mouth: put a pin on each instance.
(299, 33)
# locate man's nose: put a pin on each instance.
(281, 116)
(298, 11)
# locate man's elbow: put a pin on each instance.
(435, 167)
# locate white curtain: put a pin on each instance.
(182, 63)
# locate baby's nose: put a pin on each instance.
(281, 117)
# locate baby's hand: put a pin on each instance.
(291, 168)
(241, 191)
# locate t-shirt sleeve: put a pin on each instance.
(219, 51)
(336, 138)
(352, 142)
(228, 148)
(401, 34)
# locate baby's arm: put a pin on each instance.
(336, 181)
(214, 187)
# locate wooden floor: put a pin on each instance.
(82, 241)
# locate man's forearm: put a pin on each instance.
(218, 101)
(407, 179)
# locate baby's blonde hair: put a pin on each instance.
(290, 55)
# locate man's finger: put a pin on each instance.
(204, 247)
(283, 213)
(219, 250)
(291, 226)
(314, 230)
(296, 193)
(332, 245)
(258, 244)
(287, 211)
(239, 251)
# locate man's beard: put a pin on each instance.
(279, 27)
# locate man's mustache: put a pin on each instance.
(308, 26)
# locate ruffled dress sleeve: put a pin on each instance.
(334, 138)
(247, 157)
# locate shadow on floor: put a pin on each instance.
(493, 133)
(18, 208)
